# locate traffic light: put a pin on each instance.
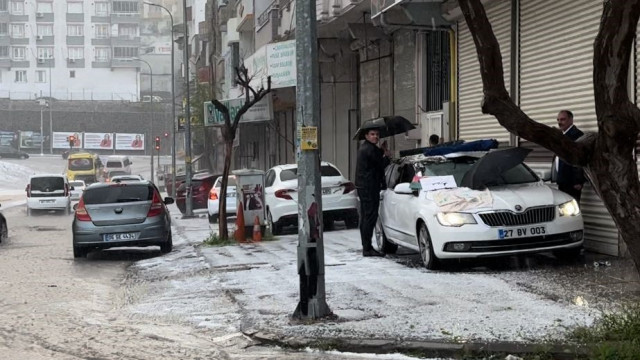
(72, 140)
(157, 142)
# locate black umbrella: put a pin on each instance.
(387, 125)
(489, 167)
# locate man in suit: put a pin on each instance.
(570, 179)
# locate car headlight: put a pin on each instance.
(455, 219)
(570, 208)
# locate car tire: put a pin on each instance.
(327, 224)
(213, 219)
(167, 246)
(4, 231)
(351, 222)
(276, 229)
(571, 254)
(23, 157)
(79, 252)
(427, 256)
(384, 245)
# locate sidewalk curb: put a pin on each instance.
(424, 348)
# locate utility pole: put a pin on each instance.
(312, 303)
(187, 115)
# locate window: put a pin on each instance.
(4, 5)
(21, 76)
(17, 53)
(75, 30)
(102, 53)
(101, 31)
(17, 7)
(45, 52)
(17, 30)
(44, 7)
(4, 51)
(128, 30)
(76, 53)
(72, 74)
(45, 29)
(125, 52)
(74, 8)
(4, 28)
(102, 8)
(41, 76)
(125, 7)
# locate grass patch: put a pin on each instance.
(215, 240)
(614, 336)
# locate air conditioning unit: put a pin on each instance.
(40, 61)
(39, 37)
(39, 14)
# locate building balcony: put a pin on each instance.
(18, 18)
(45, 63)
(75, 63)
(44, 17)
(101, 64)
(101, 41)
(124, 63)
(19, 41)
(75, 40)
(44, 40)
(125, 40)
(4, 40)
(75, 18)
(19, 63)
(101, 18)
(120, 18)
(4, 16)
(5, 63)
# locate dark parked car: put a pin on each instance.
(9, 152)
(201, 183)
(121, 214)
(4, 230)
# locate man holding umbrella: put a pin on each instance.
(370, 166)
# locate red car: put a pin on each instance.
(201, 183)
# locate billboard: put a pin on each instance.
(31, 140)
(98, 141)
(129, 141)
(60, 140)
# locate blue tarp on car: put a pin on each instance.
(477, 145)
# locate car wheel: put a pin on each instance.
(327, 223)
(426, 248)
(351, 222)
(23, 157)
(276, 229)
(4, 231)
(167, 246)
(213, 219)
(79, 252)
(384, 245)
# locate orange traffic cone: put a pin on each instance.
(257, 233)
(239, 233)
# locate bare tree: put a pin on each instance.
(229, 128)
(607, 155)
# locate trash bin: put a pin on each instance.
(250, 193)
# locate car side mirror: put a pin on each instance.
(168, 200)
(75, 206)
(545, 175)
(72, 188)
(403, 188)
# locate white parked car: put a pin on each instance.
(339, 200)
(48, 192)
(125, 178)
(77, 188)
(213, 204)
(515, 213)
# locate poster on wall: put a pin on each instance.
(129, 141)
(31, 140)
(61, 140)
(98, 141)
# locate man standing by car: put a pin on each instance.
(570, 179)
(369, 181)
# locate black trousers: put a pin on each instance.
(568, 189)
(369, 204)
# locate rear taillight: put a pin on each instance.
(66, 189)
(28, 190)
(81, 211)
(213, 194)
(157, 208)
(284, 194)
(348, 187)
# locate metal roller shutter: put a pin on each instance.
(473, 123)
(556, 64)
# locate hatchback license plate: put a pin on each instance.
(120, 236)
(326, 191)
(47, 201)
(522, 232)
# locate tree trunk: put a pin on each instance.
(607, 156)
(222, 213)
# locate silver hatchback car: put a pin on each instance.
(121, 214)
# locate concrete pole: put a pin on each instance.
(187, 114)
(41, 129)
(151, 136)
(312, 303)
(50, 115)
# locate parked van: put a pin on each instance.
(48, 192)
(118, 163)
(84, 166)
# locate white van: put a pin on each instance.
(48, 192)
(118, 163)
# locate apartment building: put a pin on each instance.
(70, 50)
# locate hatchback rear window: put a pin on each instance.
(47, 184)
(114, 164)
(325, 170)
(118, 194)
(80, 164)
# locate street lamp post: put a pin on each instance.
(50, 114)
(173, 102)
(42, 103)
(187, 137)
(152, 114)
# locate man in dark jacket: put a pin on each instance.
(570, 179)
(370, 166)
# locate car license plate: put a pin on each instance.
(522, 232)
(120, 236)
(326, 191)
(47, 201)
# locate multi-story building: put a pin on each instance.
(70, 50)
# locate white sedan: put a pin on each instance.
(339, 200)
(514, 213)
(213, 204)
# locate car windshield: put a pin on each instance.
(230, 182)
(458, 167)
(116, 173)
(117, 194)
(76, 183)
(114, 164)
(292, 174)
(80, 164)
(47, 184)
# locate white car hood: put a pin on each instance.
(526, 195)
